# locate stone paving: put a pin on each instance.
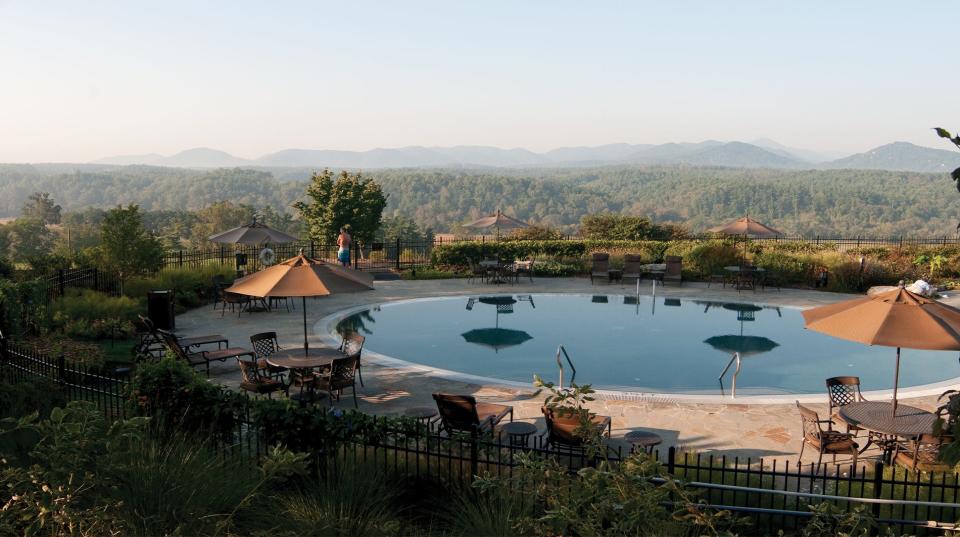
(727, 427)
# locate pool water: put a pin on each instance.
(656, 344)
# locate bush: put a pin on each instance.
(6, 268)
(710, 257)
(18, 399)
(192, 286)
(89, 314)
(23, 307)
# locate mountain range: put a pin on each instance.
(763, 153)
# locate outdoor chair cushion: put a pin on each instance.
(833, 442)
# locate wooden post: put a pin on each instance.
(61, 283)
(398, 253)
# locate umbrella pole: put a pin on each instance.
(896, 381)
(306, 346)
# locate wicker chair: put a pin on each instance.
(922, 454)
(353, 344)
(826, 442)
(463, 414)
(341, 374)
(632, 266)
(841, 391)
(264, 345)
(255, 379)
(563, 430)
(600, 267)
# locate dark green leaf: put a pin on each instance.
(943, 133)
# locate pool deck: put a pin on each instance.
(731, 427)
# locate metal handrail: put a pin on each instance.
(561, 349)
(736, 372)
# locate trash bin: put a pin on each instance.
(160, 309)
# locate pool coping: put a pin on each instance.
(326, 329)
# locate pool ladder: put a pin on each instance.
(562, 350)
(736, 372)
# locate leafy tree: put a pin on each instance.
(125, 245)
(348, 199)
(40, 206)
(26, 239)
(220, 216)
(405, 229)
(541, 233)
(955, 174)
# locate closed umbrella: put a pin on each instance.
(252, 233)
(301, 276)
(497, 220)
(896, 318)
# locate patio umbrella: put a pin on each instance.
(496, 338)
(497, 220)
(746, 227)
(301, 276)
(252, 233)
(896, 318)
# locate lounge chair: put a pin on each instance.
(922, 454)
(201, 357)
(462, 413)
(353, 344)
(632, 267)
(151, 344)
(563, 430)
(674, 271)
(341, 374)
(826, 442)
(600, 267)
(257, 380)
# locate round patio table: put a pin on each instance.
(878, 417)
(295, 358)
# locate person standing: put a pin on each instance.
(343, 241)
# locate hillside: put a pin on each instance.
(810, 202)
(762, 153)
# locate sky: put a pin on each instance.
(85, 80)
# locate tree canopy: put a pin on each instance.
(350, 199)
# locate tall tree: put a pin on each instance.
(125, 245)
(348, 199)
(955, 174)
(40, 206)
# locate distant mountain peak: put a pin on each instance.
(901, 156)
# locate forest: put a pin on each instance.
(807, 202)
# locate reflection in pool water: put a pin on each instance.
(665, 345)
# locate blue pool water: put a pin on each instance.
(663, 345)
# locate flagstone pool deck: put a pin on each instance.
(732, 427)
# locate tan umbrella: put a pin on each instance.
(896, 318)
(748, 227)
(301, 276)
(497, 220)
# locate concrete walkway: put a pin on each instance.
(732, 428)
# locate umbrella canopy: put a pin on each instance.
(252, 233)
(896, 318)
(497, 220)
(745, 345)
(496, 338)
(303, 277)
(748, 227)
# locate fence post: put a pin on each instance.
(858, 242)
(474, 456)
(4, 356)
(60, 281)
(312, 254)
(671, 460)
(818, 239)
(180, 259)
(221, 255)
(61, 370)
(398, 253)
(900, 247)
(356, 254)
(877, 485)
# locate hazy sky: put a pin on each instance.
(84, 80)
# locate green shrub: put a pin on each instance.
(6, 268)
(192, 286)
(100, 308)
(23, 307)
(461, 253)
(174, 394)
(710, 257)
(37, 394)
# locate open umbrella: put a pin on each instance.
(746, 227)
(301, 276)
(745, 345)
(497, 220)
(896, 318)
(252, 233)
(496, 338)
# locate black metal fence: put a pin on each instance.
(773, 494)
(81, 278)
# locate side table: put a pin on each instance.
(519, 433)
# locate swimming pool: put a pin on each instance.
(651, 345)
